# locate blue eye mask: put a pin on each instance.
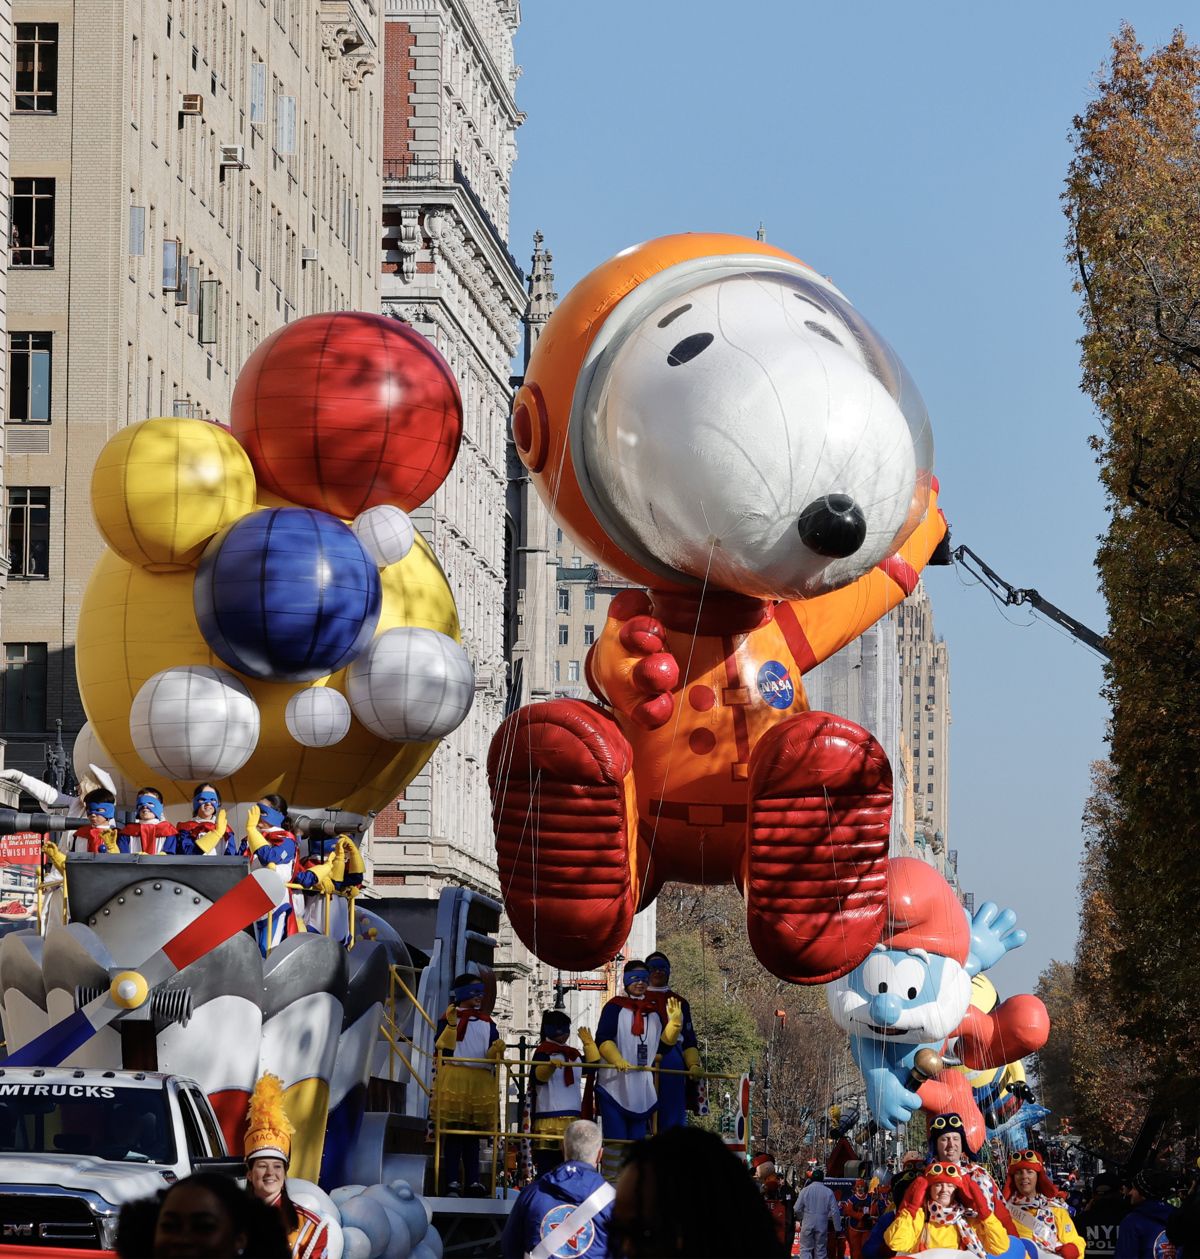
(271, 816)
(153, 803)
(205, 797)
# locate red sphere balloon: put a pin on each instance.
(345, 411)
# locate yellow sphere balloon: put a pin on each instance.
(162, 488)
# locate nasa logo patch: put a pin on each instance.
(775, 685)
(579, 1243)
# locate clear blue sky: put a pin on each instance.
(915, 152)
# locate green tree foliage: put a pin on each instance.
(1133, 203)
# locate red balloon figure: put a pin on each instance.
(345, 411)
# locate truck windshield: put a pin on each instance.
(123, 1125)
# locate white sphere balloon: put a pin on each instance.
(411, 685)
(386, 532)
(89, 751)
(194, 721)
(317, 717)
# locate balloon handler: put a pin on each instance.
(268, 1152)
(1038, 1209)
(944, 1209)
(464, 1089)
(677, 1093)
(712, 420)
(557, 1086)
(631, 1033)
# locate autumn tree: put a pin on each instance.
(1056, 988)
(736, 1008)
(1133, 204)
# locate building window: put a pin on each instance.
(36, 88)
(572, 670)
(32, 241)
(564, 635)
(24, 686)
(28, 531)
(29, 376)
(589, 599)
(589, 635)
(564, 599)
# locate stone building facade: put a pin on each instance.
(186, 177)
(450, 121)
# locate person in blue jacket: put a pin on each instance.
(1143, 1232)
(565, 1211)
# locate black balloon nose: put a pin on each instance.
(833, 525)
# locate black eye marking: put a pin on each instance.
(679, 310)
(689, 347)
(801, 298)
(821, 331)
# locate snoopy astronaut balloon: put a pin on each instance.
(713, 421)
(265, 616)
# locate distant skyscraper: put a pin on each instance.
(925, 714)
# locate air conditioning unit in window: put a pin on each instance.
(233, 157)
(308, 253)
(191, 103)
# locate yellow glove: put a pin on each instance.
(208, 841)
(109, 839)
(590, 1052)
(495, 1050)
(612, 1055)
(674, 1025)
(324, 876)
(354, 861)
(691, 1060)
(58, 858)
(337, 864)
(254, 837)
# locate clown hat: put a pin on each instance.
(1032, 1161)
(939, 1173)
(268, 1129)
(923, 912)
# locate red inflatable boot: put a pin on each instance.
(815, 875)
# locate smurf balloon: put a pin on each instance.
(908, 1005)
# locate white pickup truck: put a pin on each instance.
(76, 1144)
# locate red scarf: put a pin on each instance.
(465, 1018)
(639, 1006)
(552, 1047)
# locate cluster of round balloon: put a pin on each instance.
(265, 591)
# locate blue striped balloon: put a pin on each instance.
(287, 594)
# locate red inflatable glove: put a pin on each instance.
(976, 1198)
(914, 1196)
(630, 666)
(1068, 1251)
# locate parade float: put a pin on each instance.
(267, 620)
